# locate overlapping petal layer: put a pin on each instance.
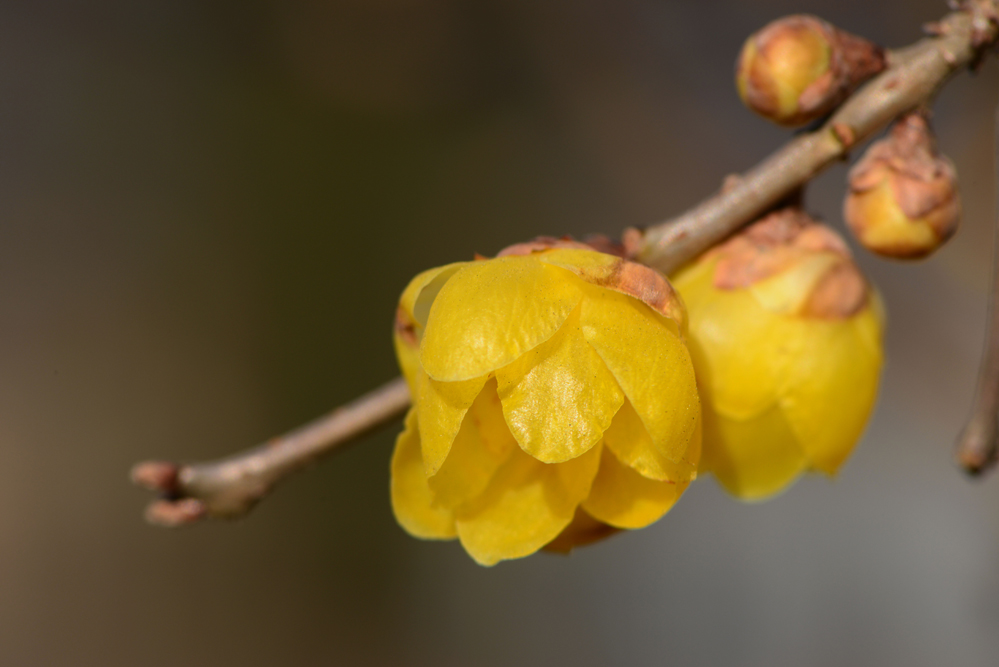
(623, 498)
(412, 499)
(752, 458)
(490, 313)
(441, 407)
(563, 376)
(831, 389)
(787, 385)
(651, 364)
(525, 506)
(520, 369)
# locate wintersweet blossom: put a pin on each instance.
(786, 337)
(554, 401)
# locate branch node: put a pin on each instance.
(158, 476)
(845, 134)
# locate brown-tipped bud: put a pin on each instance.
(800, 68)
(903, 200)
(792, 265)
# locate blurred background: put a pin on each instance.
(207, 212)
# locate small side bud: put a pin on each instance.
(799, 68)
(903, 200)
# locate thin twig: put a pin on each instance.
(913, 76)
(230, 487)
(978, 444)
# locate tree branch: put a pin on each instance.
(912, 78)
(230, 487)
(978, 444)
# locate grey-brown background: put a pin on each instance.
(207, 211)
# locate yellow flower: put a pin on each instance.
(554, 397)
(786, 338)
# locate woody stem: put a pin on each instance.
(978, 444)
(230, 487)
(913, 77)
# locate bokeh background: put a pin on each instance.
(207, 212)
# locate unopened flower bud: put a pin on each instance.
(903, 200)
(800, 68)
(785, 334)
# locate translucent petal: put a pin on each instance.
(407, 302)
(752, 458)
(526, 505)
(650, 363)
(694, 281)
(788, 291)
(631, 443)
(893, 228)
(409, 360)
(409, 328)
(559, 398)
(583, 530)
(832, 389)
(740, 350)
(411, 497)
(482, 444)
(623, 498)
(441, 407)
(614, 273)
(490, 313)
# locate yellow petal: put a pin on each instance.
(442, 407)
(623, 498)
(892, 228)
(650, 363)
(740, 350)
(618, 274)
(526, 505)
(694, 280)
(559, 398)
(409, 328)
(407, 302)
(632, 445)
(482, 444)
(411, 496)
(583, 530)
(789, 290)
(752, 458)
(832, 389)
(409, 360)
(490, 313)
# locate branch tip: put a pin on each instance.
(175, 513)
(156, 476)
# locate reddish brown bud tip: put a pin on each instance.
(799, 68)
(903, 200)
(824, 282)
(172, 514)
(156, 476)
